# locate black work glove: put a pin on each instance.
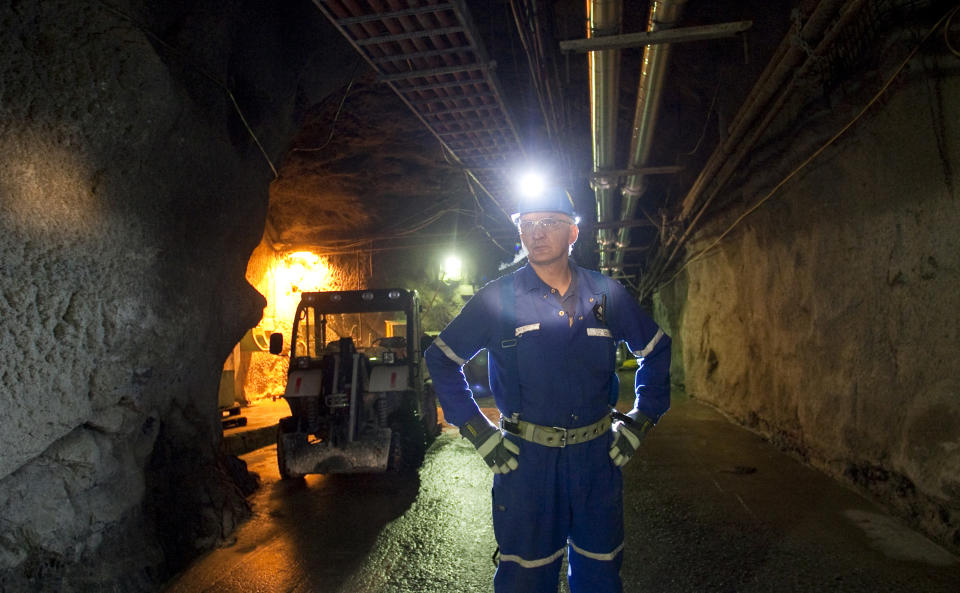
(497, 451)
(627, 437)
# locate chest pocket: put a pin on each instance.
(600, 339)
(600, 353)
(537, 350)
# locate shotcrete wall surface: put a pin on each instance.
(131, 195)
(828, 320)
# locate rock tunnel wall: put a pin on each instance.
(828, 321)
(131, 195)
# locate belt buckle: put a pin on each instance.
(563, 435)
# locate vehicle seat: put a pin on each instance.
(343, 351)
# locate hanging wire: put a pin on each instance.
(336, 116)
(545, 75)
(206, 73)
(466, 169)
(706, 121)
(944, 21)
(946, 35)
(482, 213)
(394, 235)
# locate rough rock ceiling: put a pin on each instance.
(360, 167)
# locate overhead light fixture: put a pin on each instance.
(452, 269)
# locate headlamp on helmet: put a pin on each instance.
(551, 199)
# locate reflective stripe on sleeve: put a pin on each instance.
(536, 563)
(593, 555)
(449, 352)
(650, 346)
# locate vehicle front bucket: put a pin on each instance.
(365, 455)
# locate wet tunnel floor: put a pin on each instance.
(710, 507)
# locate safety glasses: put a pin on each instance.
(547, 224)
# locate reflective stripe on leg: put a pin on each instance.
(535, 563)
(594, 555)
(594, 572)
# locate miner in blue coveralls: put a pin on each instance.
(551, 329)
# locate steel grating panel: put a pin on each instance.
(429, 53)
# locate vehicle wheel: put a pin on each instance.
(395, 461)
(286, 435)
(431, 424)
(407, 443)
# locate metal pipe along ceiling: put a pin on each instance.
(663, 15)
(604, 18)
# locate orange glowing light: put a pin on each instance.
(295, 273)
(303, 271)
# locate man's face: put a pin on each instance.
(547, 236)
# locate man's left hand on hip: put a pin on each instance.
(627, 436)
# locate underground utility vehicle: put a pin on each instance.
(357, 387)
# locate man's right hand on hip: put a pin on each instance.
(497, 451)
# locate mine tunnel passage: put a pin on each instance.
(797, 240)
(709, 506)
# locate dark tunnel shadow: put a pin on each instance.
(333, 521)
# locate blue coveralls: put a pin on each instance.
(558, 498)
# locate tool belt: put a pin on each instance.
(555, 436)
